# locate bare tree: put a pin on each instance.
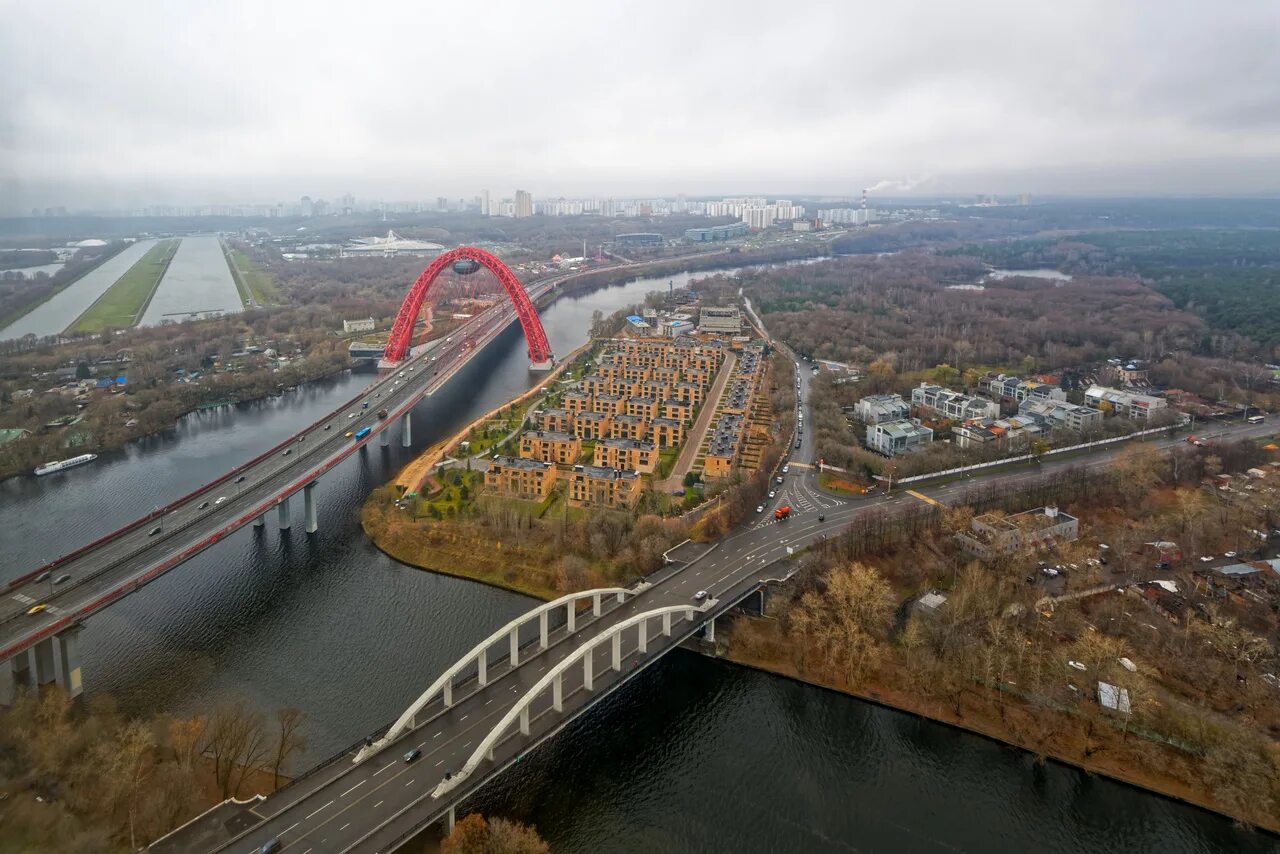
(289, 739)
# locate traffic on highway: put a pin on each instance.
(83, 581)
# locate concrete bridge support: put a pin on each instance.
(282, 514)
(515, 646)
(384, 438)
(309, 502)
(709, 631)
(406, 432)
(66, 661)
(54, 659)
(261, 521)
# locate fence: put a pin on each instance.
(1021, 457)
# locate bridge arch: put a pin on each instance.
(484, 750)
(402, 330)
(479, 654)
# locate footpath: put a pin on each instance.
(693, 442)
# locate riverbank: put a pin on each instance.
(12, 465)
(1007, 718)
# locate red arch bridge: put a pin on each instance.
(43, 646)
(398, 343)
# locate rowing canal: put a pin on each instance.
(694, 755)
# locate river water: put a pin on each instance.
(197, 283)
(694, 755)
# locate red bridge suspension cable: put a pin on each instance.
(401, 337)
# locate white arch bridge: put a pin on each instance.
(479, 654)
(556, 679)
(508, 694)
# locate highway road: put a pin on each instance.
(382, 802)
(120, 563)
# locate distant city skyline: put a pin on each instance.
(235, 102)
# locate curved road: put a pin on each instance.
(381, 803)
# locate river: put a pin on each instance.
(694, 755)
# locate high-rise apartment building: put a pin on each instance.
(524, 203)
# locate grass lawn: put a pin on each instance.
(666, 462)
(124, 302)
(259, 283)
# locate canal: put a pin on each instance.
(694, 755)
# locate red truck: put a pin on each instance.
(782, 512)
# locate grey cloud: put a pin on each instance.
(242, 101)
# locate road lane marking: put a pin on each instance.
(438, 764)
(383, 768)
(353, 788)
(408, 784)
(321, 808)
(437, 735)
(289, 828)
(378, 804)
(344, 827)
(463, 718)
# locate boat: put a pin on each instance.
(60, 465)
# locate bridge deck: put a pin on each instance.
(123, 561)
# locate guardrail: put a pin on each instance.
(1023, 457)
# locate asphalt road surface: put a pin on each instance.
(117, 566)
(381, 802)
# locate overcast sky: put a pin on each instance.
(143, 101)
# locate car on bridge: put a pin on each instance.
(36, 609)
(413, 754)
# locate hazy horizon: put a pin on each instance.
(243, 104)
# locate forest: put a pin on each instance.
(86, 776)
(906, 311)
(1230, 278)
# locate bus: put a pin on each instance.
(361, 433)
(1256, 419)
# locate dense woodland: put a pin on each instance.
(1230, 278)
(83, 776)
(900, 309)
